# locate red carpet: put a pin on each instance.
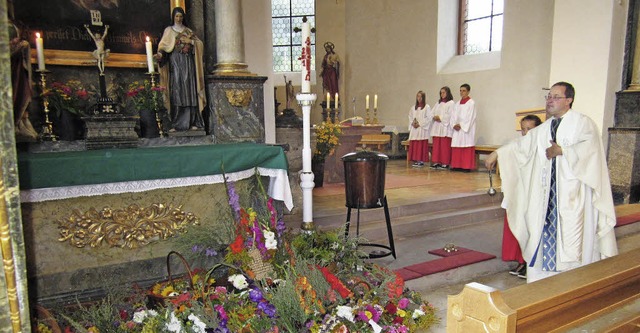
(450, 260)
(627, 219)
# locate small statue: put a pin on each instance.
(289, 91)
(99, 53)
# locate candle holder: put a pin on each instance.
(375, 116)
(306, 100)
(47, 126)
(152, 76)
(367, 120)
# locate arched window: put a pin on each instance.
(480, 28)
(286, 15)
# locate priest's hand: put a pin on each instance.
(457, 127)
(553, 151)
(490, 162)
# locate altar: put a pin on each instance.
(351, 135)
(130, 191)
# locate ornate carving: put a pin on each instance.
(239, 97)
(126, 228)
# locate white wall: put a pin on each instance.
(587, 51)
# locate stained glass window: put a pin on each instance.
(286, 15)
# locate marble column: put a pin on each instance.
(623, 155)
(230, 38)
(14, 300)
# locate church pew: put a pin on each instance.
(555, 304)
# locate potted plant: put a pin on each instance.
(69, 102)
(147, 100)
(327, 138)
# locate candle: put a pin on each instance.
(40, 51)
(367, 102)
(375, 101)
(328, 100)
(306, 57)
(336, 102)
(149, 55)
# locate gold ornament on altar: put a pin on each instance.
(131, 227)
(239, 97)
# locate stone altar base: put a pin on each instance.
(189, 133)
(111, 131)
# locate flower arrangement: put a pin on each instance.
(145, 96)
(304, 293)
(70, 96)
(327, 138)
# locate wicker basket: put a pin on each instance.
(157, 299)
(261, 269)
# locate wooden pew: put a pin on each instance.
(574, 299)
(378, 140)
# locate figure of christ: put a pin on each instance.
(100, 54)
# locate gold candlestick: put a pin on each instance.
(47, 126)
(375, 116)
(155, 104)
(367, 121)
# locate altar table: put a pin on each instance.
(63, 175)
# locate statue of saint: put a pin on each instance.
(291, 95)
(180, 55)
(99, 53)
(330, 69)
(21, 85)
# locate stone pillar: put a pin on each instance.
(230, 38)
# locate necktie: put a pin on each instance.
(550, 230)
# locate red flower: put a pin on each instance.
(391, 308)
(335, 283)
(237, 245)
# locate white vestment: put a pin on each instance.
(443, 127)
(465, 116)
(424, 117)
(586, 215)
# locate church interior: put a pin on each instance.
(120, 155)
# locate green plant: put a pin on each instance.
(145, 96)
(327, 138)
(70, 96)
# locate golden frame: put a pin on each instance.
(84, 58)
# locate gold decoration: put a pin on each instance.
(125, 228)
(239, 97)
(8, 262)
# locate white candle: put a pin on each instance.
(147, 45)
(306, 57)
(367, 102)
(40, 51)
(328, 100)
(375, 101)
(336, 102)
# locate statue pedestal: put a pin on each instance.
(112, 131)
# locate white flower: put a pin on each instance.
(417, 313)
(239, 281)
(270, 241)
(375, 326)
(345, 312)
(139, 316)
(198, 325)
(152, 313)
(174, 325)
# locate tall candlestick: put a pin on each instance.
(306, 57)
(336, 102)
(147, 45)
(375, 101)
(367, 102)
(40, 51)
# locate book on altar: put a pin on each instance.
(354, 121)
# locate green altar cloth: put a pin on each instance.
(140, 169)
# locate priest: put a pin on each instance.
(556, 185)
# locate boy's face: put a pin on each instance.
(526, 126)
